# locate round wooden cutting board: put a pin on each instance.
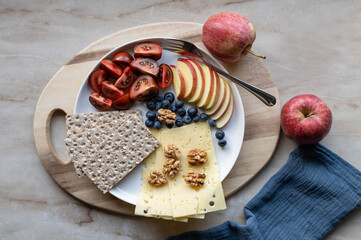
(262, 123)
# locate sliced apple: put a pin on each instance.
(216, 92)
(178, 82)
(220, 123)
(225, 91)
(190, 77)
(209, 86)
(224, 106)
(200, 81)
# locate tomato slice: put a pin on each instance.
(126, 79)
(143, 88)
(148, 50)
(165, 78)
(100, 102)
(110, 91)
(123, 58)
(123, 102)
(111, 68)
(145, 66)
(96, 78)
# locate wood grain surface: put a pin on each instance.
(262, 126)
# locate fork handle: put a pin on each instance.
(265, 97)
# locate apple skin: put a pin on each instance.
(227, 35)
(306, 119)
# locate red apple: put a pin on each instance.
(306, 119)
(229, 36)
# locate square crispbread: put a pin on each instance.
(80, 128)
(120, 152)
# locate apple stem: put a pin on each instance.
(255, 54)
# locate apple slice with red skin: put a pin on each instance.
(123, 102)
(306, 119)
(190, 77)
(224, 106)
(96, 78)
(112, 69)
(226, 117)
(99, 102)
(110, 91)
(200, 81)
(178, 82)
(216, 92)
(225, 91)
(208, 87)
(126, 79)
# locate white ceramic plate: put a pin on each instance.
(129, 187)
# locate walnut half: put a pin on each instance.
(171, 151)
(171, 167)
(156, 178)
(197, 156)
(166, 116)
(195, 178)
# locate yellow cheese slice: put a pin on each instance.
(185, 199)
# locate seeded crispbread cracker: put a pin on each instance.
(80, 128)
(120, 152)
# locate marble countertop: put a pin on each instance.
(311, 47)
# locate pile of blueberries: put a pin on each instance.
(185, 116)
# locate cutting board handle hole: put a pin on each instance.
(57, 136)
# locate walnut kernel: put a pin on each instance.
(195, 178)
(197, 156)
(171, 151)
(156, 178)
(166, 116)
(171, 167)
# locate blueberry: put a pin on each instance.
(211, 122)
(173, 108)
(169, 96)
(182, 112)
(187, 119)
(179, 122)
(179, 104)
(204, 116)
(151, 104)
(220, 134)
(222, 143)
(165, 104)
(158, 106)
(158, 98)
(170, 125)
(192, 111)
(157, 125)
(149, 123)
(196, 118)
(151, 115)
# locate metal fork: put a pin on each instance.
(190, 50)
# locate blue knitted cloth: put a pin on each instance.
(305, 199)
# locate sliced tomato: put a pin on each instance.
(165, 76)
(143, 88)
(110, 91)
(123, 58)
(96, 78)
(126, 79)
(100, 102)
(111, 68)
(148, 50)
(145, 66)
(123, 102)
